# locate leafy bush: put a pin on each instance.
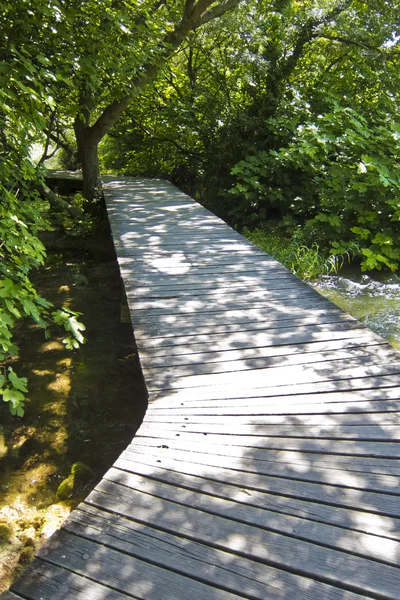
(339, 178)
(23, 214)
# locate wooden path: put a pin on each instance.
(267, 466)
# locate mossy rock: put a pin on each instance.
(72, 486)
(26, 555)
(5, 532)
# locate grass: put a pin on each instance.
(307, 262)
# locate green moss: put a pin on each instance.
(26, 555)
(72, 486)
(5, 532)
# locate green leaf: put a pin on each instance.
(19, 383)
(13, 396)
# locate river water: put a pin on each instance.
(373, 299)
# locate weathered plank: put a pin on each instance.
(244, 576)
(378, 448)
(219, 270)
(302, 466)
(255, 358)
(46, 581)
(238, 420)
(279, 332)
(360, 432)
(325, 337)
(210, 285)
(204, 523)
(294, 512)
(229, 318)
(160, 332)
(116, 570)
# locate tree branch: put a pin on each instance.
(58, 202)
(168, 140)
(217, 11)
(45, 154)
(350, 42)
(194, 14)
(307, 33)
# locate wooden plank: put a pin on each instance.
(379, 448)
(210, 315)
(159, 377)
(238, 574)
(195, 266)
(230, 421)
(174, 252)
(290, 493)
(261, 356)
(145, 219)
(350, 402)
(190, 303)
(175, 231)
(262, 337)
(306, 398)
(216, 315)
(255, 358)
(362, 431)
(123, 233)
(175, 216)
(181, 283)
(128, 248)
(308, 519)
(301, 466)
(286, 552)
(379, 411)
(230, 320)
(208, 290)
(165, 231)
(116, 570)
(45, 581)
(180, 397)
(275, 341)
(221, 269)
(134, 291)
(258, 379)
(163, 331)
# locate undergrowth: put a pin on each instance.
(307, 262)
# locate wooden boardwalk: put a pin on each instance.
(267, 466)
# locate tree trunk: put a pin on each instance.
(90, 170)
(88, 155)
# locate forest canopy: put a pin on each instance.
(275, 114)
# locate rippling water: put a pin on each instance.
(373, 300)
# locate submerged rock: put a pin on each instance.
(73, 485)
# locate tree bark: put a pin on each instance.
(90, 169)
(88, 156)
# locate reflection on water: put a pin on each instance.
(373, 299)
